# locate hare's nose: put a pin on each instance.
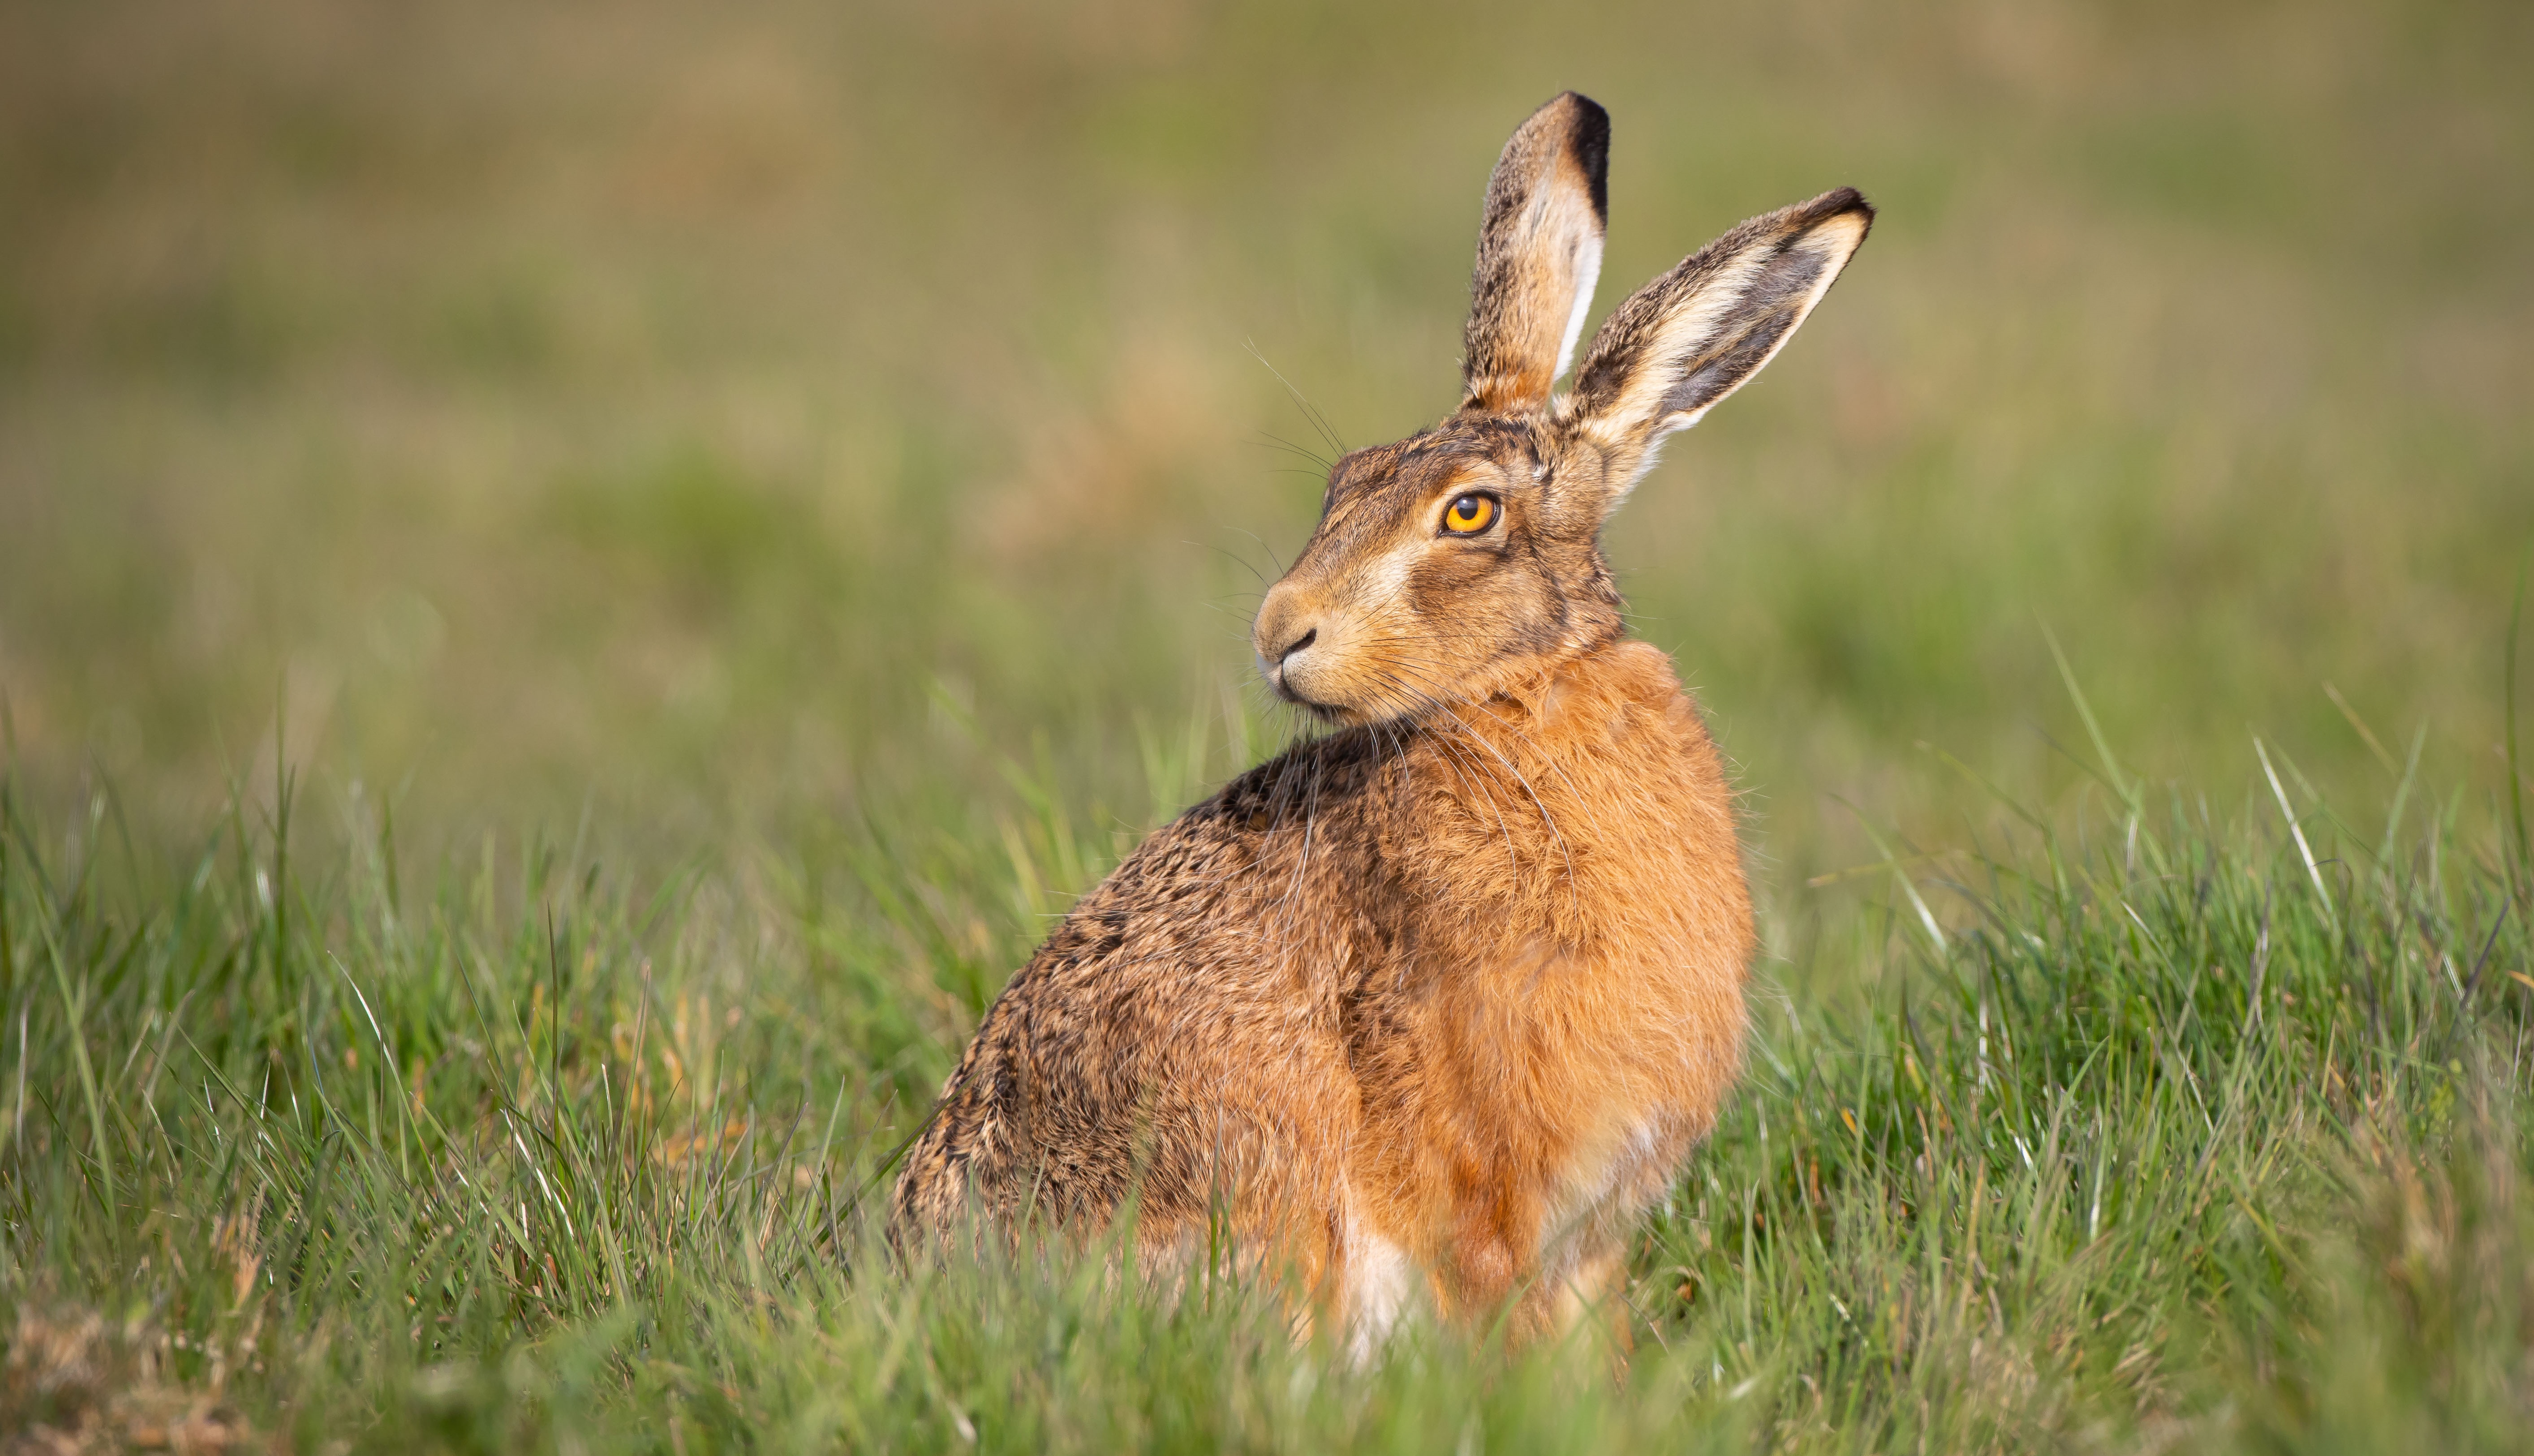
(1283, 632)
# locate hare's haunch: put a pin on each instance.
(1432, 1007)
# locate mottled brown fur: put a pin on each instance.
(1432, 1007)
(1539, 252)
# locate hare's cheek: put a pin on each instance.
(1458, 587)
(1390, 581)
(1512, 612)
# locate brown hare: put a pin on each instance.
(1430, 1009)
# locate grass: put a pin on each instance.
(2169, 1128)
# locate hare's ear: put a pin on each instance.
(1695, 335)
(1540, 250)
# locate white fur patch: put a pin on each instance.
(1388, 580)
(1380, 1280)
(1587, 273)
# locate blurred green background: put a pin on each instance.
(745, 416)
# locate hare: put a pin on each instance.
(1429, 1009)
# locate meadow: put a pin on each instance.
(576, 587)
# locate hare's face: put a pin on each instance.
(1440, 562)
(1456, 560)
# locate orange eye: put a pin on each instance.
(1469, 514)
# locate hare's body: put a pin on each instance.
(1434, 1005)
(1496, 1080)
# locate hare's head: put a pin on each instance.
(1451, 562)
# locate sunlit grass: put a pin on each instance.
(2161, 1132)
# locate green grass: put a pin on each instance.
(2148, 1131)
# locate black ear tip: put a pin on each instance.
(1840, 201)
(1589, 111)
(1590, 140)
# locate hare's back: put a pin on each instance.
(1177, 1035)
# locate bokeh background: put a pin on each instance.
(711, 420)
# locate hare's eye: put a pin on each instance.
(1469, 514)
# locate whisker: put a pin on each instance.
(1263, 546)
(1278, 442)
(1574, 894)
(1309, 411)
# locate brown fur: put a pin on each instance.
(1440, 1001)
(1539, 252)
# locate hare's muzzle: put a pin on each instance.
(1284, 638)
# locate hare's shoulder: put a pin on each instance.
(1199, 877)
